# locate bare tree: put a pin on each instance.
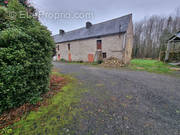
(151, 34)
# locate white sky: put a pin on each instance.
(100, 10)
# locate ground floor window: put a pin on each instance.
(104, 55)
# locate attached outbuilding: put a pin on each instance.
(113, 38)
(173, 41)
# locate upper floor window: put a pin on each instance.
(69, 47)
(58, 48)
(99, 44)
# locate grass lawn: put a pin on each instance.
(154, 66)
(52, 119)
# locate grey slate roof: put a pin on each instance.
(115, 26)
(175, 38)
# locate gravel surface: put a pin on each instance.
(122, 102)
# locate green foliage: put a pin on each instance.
(150, 66)
(3, 17)
(25, 58)
(63, 60)
(31, 10)
(57, 116)
(100, 61)
(6, 131)
(23, 2)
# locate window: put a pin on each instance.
(104, 55)
(99, 44)
(58, 48)
(69, 47)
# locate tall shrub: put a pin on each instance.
(25, 57)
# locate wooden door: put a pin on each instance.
(59, 57)
(90, 57)
(69, 57)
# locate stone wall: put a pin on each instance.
(129, 43)
(119, 46)
(112, 45)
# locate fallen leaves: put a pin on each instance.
(15, 115)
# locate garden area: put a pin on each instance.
(50, 115)
(153, 66)
(35, 98)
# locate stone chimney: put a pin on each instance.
(61, 32)
(88, 25)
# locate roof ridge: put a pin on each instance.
(114, 19)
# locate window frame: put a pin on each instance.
(69, 47)
(104, 54)
(99, 44)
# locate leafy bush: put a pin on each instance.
(63, 60)
(25, 58)
(6, 131)
(100, 61)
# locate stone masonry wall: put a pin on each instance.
(129, 43)
(112, 45)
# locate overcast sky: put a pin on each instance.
(73, 14)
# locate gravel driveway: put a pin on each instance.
(122, 102)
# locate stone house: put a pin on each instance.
(113, 38)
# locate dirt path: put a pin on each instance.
(121, 102)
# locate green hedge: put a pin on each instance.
(25, 58)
